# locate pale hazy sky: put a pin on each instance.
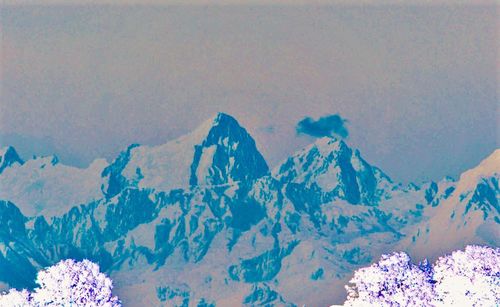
(418, 84)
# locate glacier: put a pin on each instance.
(203, 221)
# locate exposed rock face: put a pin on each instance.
(202, 220)
(8, 157)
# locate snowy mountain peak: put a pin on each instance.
(43, 186)
(332, 166)
(228, 154)
(221, 118)
(470, 213)
(220, 123)
(8, 157)
(218, 152)
(328, 143)
(489, 167)
(43, 161)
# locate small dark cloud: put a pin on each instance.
(330, 125)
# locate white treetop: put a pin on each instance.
(68, 283)
(464, 278)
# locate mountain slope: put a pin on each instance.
(43, 186)
(219, 152)
(330, 166)
(201, 221)
(470, 215)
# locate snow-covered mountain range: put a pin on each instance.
(203, 221)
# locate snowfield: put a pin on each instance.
(203, 221)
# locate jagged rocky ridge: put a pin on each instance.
(9, 157)
(203, 221)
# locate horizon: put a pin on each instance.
(84, 82)
(271, 167)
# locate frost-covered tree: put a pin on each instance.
(68, 283)
(393, 281)
(72, 283)
(463, 278)
(15, 298)
(468, 278)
